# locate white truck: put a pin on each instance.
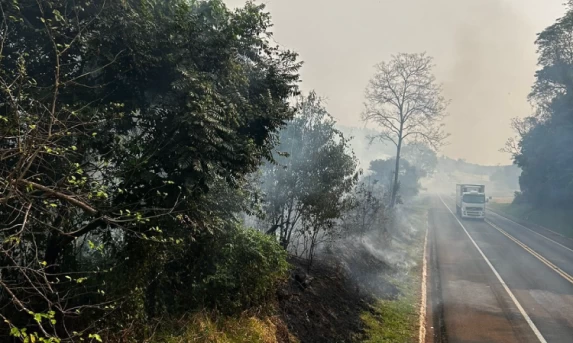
(470, 201)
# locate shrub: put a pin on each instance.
(248, 268)
(229, 271)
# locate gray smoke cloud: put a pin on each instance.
(484, 51)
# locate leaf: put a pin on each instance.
(95, 336)
(38, 317)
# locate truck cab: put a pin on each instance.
(470, 201)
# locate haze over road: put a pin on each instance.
(496, 281)
(484, 51)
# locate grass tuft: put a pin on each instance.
(393, 321)
(204, 327)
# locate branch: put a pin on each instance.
(87, 208)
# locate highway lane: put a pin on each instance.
(486, 286)
(557, 250)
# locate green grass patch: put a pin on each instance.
(558, 220)
(394, 321)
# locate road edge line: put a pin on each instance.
(509, 292)
(423, 305)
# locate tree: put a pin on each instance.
(422, 157)
(120, 123)
(305, 187)
(409, 181)
(367, 212)
(542, 147)
(404, 99)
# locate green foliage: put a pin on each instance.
(305, 187)
(543, 147)
(392, 321)
(409, 176)
(248, 266)
(230, 271)
(422, 157)
(126, 128)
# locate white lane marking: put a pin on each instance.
(537, 233)
(423, 304)
(509, 292)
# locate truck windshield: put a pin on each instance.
(474, 198)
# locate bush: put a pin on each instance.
(248, 268)
(229, 271)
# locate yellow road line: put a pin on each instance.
(534, 253)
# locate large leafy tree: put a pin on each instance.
(118, 120)
(542, 149)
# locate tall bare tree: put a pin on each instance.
(405, 100)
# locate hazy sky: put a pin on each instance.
(484, 53)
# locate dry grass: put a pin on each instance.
(207, 328)
(502, 200)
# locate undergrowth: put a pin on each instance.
(397, 320)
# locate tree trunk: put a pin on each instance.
(396, 172)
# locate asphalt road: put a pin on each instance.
(496, 281)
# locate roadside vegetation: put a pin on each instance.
(542, 148)
(396, 319)
(163, 180)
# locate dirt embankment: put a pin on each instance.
(353, 280)
(322, 304)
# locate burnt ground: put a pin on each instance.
(324, 303)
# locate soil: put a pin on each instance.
(324, 303)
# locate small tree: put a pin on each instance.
(404, 99)
(367, 212)
(306, 187)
